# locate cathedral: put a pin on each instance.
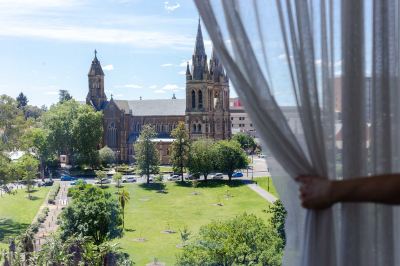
(205, 111)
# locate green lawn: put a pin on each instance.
(17, 212)
(149, 213)
(263, 182)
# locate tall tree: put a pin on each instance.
(230, 156)
(27, 166)
(94, 213)
(22, 100)
(277, 220)
(5, 177)
(124, 198)
(64, 96)
(146, 153)
(179, 148)
(246, 141)
(202, 157)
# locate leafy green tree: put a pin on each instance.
(243, 240)
(277, 220)
(124, 198)
(31, 111)
(202, 157)
(27, 166)
(179, 148)
(5, 177)
(63, 96)
(87, 133)
(100, 176)
(94, 213)
(246, 141)
(107, 156)
(22, 100)
(12, 124)
(146, 153)
(117, 177)
(35, 140)
(230, 156)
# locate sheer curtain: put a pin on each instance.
(292, 52)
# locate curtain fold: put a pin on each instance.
(323, 43)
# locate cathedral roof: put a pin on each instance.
(95, 68)
(162, 107)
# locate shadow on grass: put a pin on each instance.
(210, 183)
(129, 230)
(10, 228)
(153, 186)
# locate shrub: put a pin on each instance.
(53, 193)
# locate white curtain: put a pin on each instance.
(319, 43)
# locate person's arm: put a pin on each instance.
(319, 193)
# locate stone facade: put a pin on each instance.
(205, 111)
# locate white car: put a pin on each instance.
(174, 178)
(217, 176)
(128, 179)
(103, 181)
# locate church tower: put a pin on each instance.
(207, 95)
(96, 95)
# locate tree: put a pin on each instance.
(106, 155)
(117, 177)
(246, 141)
(31, 111)
(5, 177)
(87, 132)
(64, 96)
(179, 148)
(146, 153)
(277, 220)
(93, 213)
(202, 157)
(230, 156)
(100, 176)
(35, 140)
(12, 123)
(124, 198)
(27, 166)
(22, 100)
(243, 240)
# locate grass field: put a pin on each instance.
(149, 213)
(17, 212)
(263, 182)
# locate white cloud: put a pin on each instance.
(338, 63)
(171, 87)
(183, 72)
(51, 92)
(159, 91)
(167, 65)
(184, 62)
(131, 86)
(282, 56)
(108, 67)
(171, 7)
(153, 86)
(318, 62)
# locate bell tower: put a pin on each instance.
(96, 95)
(207, 95)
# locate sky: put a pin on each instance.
(143, 46)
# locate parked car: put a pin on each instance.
(217, 176)
(128, 179)
(67, 178)
(103, 181)
(174, 178)
(237, 174)
(261, 155)
(46, 183)
(79, 181)
(193, 176)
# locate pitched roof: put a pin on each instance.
(163, 107)
(95, 68)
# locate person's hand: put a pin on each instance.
(315, 192)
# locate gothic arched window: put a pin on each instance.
(193, 99)
(200, 99)
(199, 128)
(194, 128)
(112, 135)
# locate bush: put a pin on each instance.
(42, 216)
(34, 228)
(106, 155)
(53, 193)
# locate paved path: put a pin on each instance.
(260, 191)
(50, 224)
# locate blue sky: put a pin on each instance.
(143, 46)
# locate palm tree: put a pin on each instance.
(124, 198)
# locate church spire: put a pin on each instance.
(199, 58)
(95, 68)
